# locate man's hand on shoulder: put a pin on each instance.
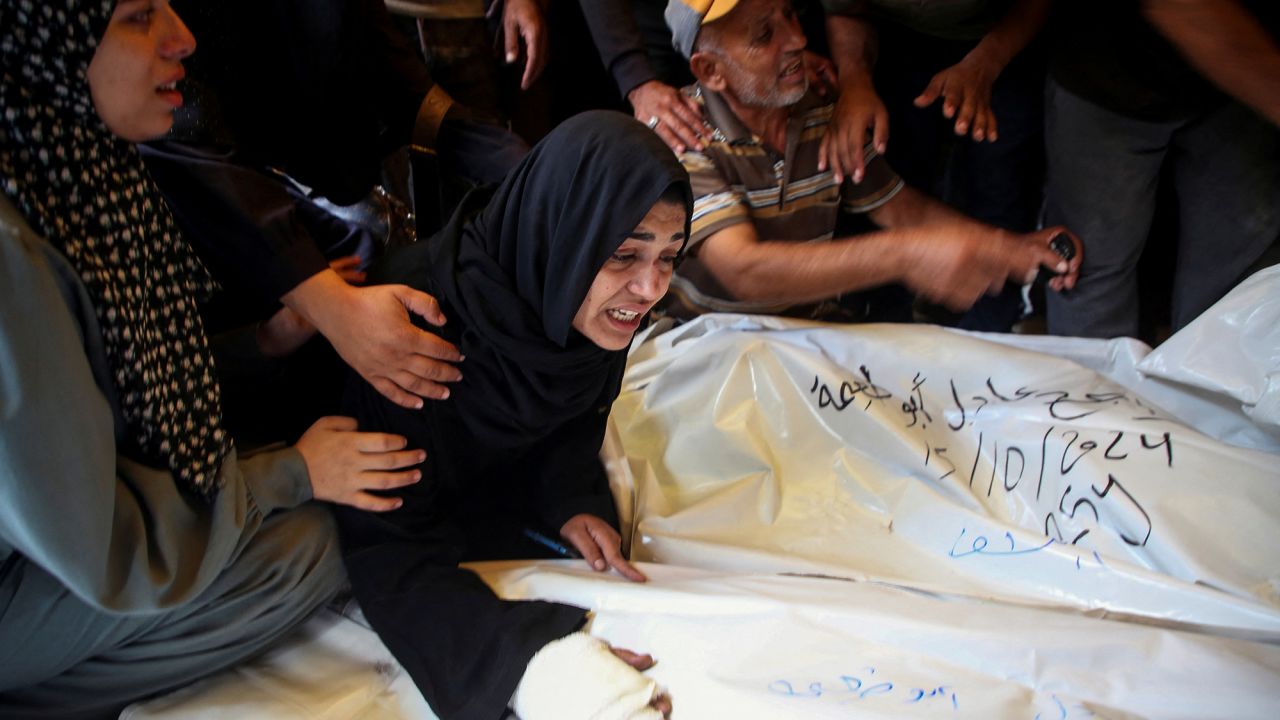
(859, 112)
(676, 117)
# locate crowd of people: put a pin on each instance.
(222, 402)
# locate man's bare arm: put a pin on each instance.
(859, 109)
(752, 269)
(1222, 40)
(936, 251)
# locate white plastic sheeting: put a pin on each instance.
(1220, 374)
(1233, 350)
(941, 461)
(759, 647)
(985, 497)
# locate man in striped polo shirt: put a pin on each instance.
(765, 217)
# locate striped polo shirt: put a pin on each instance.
(739, 179)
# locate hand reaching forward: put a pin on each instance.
(599, 544)
(956, 263)
(345, 465)
(965, 89)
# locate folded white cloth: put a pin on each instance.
(579, 678)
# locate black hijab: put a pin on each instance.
(514, 276)
(86, 191)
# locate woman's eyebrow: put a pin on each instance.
(650, 237)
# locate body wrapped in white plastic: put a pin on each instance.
(1006, 527)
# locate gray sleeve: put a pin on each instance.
(118, 534)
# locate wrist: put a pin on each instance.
(909, 254)
(641, 89)
(987, 59)
(318, 296)
(855, 75)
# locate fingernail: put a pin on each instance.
(511, 57)
(880, 148)
(422, 455)
(1061, 267)
(444, 394)
(398, 505)
(600, 565)
(417, 405)
(857, 176)
(417, 476)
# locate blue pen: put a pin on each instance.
(551, 545)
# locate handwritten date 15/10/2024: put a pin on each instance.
(1077, 511)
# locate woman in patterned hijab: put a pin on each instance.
(87, 193)
(136, 551)
(68, 162)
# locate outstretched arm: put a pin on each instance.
(1227, 45)
(932, 249)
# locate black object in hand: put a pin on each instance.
(1062, 245)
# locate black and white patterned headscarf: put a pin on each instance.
(87, 192)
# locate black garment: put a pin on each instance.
(322, 91)
(635, 43)
(635, 46)
(517, 442)
(1106, 52)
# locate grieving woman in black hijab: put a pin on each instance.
(544, 281)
